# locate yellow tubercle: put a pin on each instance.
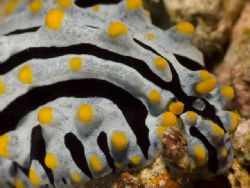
(85, 113)
(227, 92)
(51, 161)
(117, 29)
(176, 107)
(217, 130)
(135, 160)
(4, 145)
(192, 117)
(45, 116)
(54, 19)
(200, 155)
(204, 75)
(160, 63)
(160, 130)
(206, 87)
(64, 4)
(154, 96)
(76, 177)
(118, 164)
(96, 163)
(19, 184)
(96, 8)
(134, 4)
(119, 140)
(35, 6)
(2, 86)
(169, 119)
(150, 36)
(75, 64)
(223, 152)
(11, 6)
(234, 120)
(185, 28)
(34, 179)
(25, 74)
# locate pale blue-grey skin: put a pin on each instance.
(85, 26)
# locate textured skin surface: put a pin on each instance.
(89, 91)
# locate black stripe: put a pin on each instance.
(76, 150)
(102, 142)
(89, 3)
(133, 109)
(175, 87)
(188, 63)
(139, 65)
(21, 31)
(38, 150)
(212, 153)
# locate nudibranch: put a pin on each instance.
(88, 89)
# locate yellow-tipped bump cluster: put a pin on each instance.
(200, 155)
(45, 116)
(117, 29)
(176, 107)
(54, 19)
(119, 140)
(51, 161)
(96, 163)
(25, 74)
(85, 113)
(160, 63)
(154, 96)
(217, 130)
(35, 6)
(192, 117)
(134, 4)
(185, 28)
(207, 84)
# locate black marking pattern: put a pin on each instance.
(133, 109)
(102, 142)
(188, 63)
(76, 150)
(89, 3)
(22, 31)
(38, 150)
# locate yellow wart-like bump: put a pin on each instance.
(160, 63)
(54, 19)
(150, 36)
(75, 64)
(64, 4)
(169, 119)
(2, 86)
(85, 113)
(96, 163)
(51, 161)
(96, 8)
(119, 140)
(4, 145)
(223, 152)
(34, 179)
(200, 155)
(11, 6)
(234, 120)
(19, 184)
(135, 159)
(154, 96)
(134, 4)
(45, 116)
(25, 74)
(35, 6)
(185, 28)
(76, 177)
(192, 117)
(176, 107)
(217, 130)
(227, 92)
(117, 29)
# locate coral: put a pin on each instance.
(89, 90)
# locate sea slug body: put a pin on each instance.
(87, 90)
